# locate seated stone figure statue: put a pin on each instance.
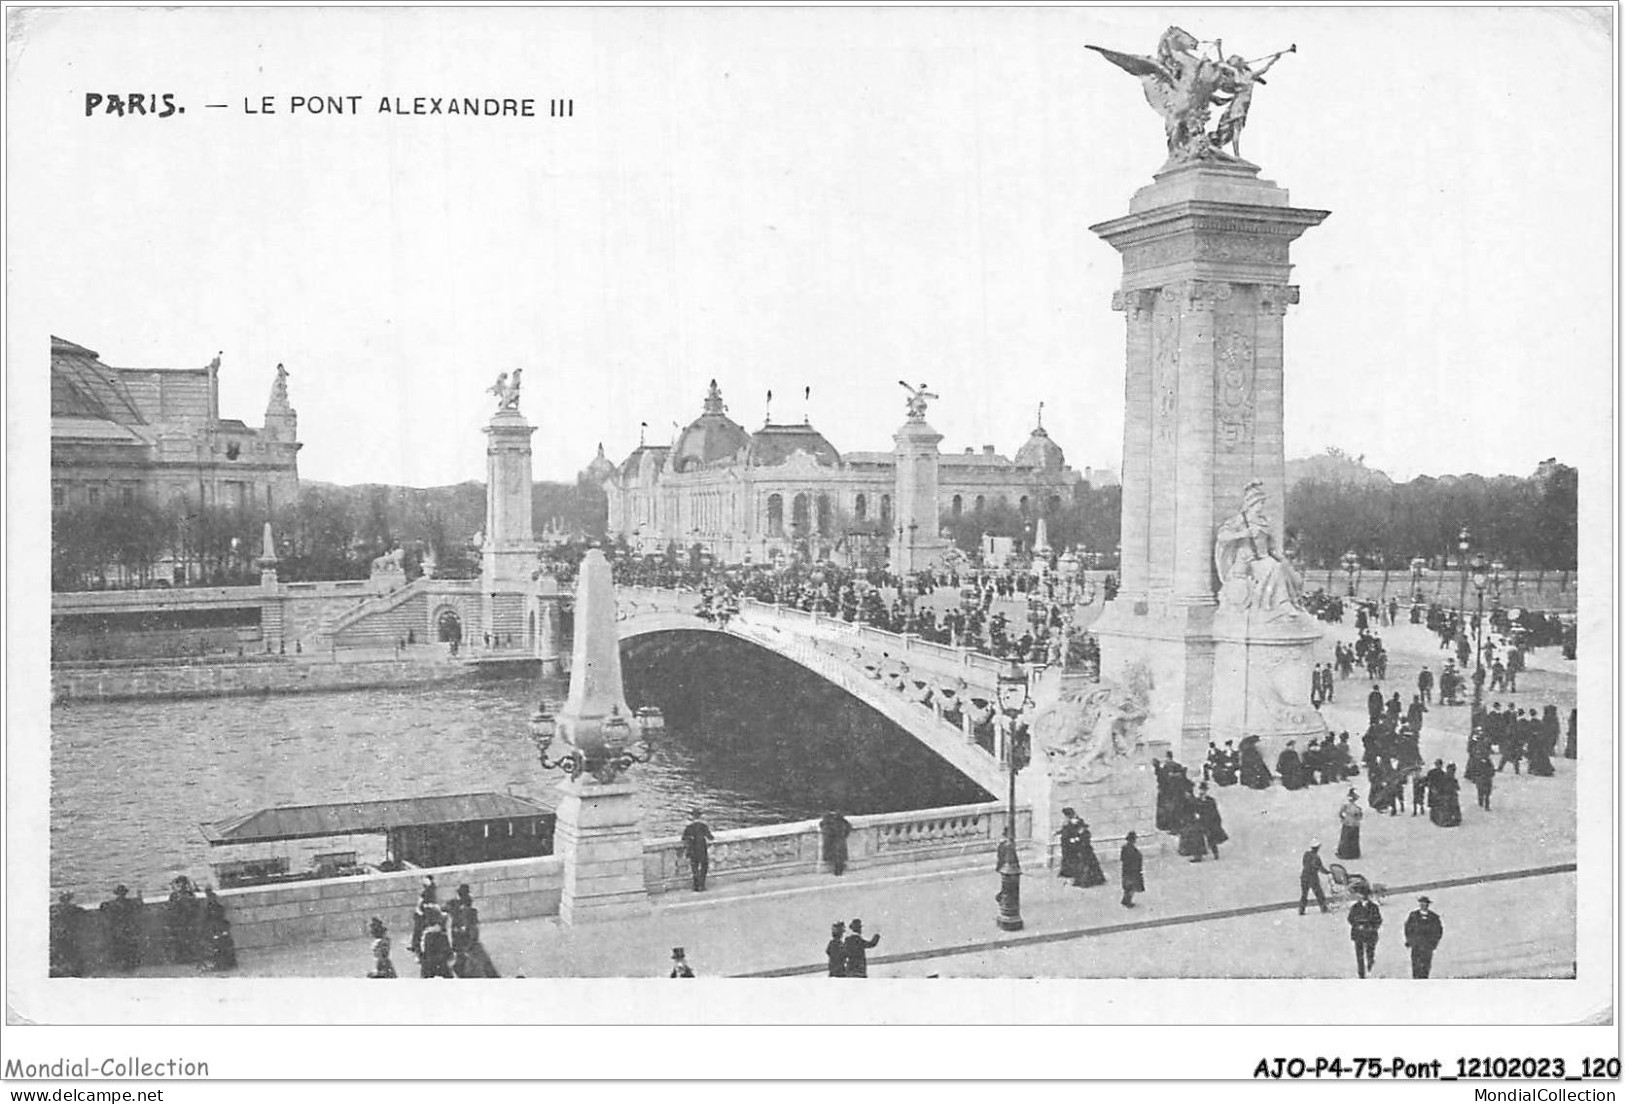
(1252, 575)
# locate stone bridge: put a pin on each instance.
(940, 695)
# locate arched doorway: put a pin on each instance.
(448, 627)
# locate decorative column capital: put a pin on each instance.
(1134, 302)
(1275, 298)
(1201, 294)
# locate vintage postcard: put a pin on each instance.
(1053, 516)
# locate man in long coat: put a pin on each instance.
(1309, 879)
(1365, 919)
(833, 830)
(1132, 864)
(857, 950)
(1212, 824)
(123, 928)
(697, 839)
(1423, 933)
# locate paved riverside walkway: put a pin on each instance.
(1502, 882)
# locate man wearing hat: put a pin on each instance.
(697, 839)
(123, 928)
(857, 950)
(835, 949)
(1365, 919)
(679, 964)
(66, 959)
(1132, 866)
(1309, 879)
(1423, 931)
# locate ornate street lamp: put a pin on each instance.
(604, 750)
(1464, 545)
(1351, 565)
(1012, 697)
(1480, 581)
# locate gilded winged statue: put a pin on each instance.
(1183, 84)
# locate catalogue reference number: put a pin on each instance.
(1293, 1069)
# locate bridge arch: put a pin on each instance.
(637, 620)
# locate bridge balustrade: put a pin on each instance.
(796, 849)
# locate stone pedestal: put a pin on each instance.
(1124, 801)
(597, 837)
(917, 543)
(1205, 265)
(510, 555)
(1261, 670)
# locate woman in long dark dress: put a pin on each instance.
(222, 949)
(1290, 767)
(1078, 860)
(1446, 811)
(1350, 815)
(1255, 775)
(1539, 757)
(182, 921)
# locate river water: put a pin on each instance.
(752, 739)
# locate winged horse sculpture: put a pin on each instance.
(1183, 85)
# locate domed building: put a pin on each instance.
(787, 490)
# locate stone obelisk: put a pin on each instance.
(596, 832)
(1205, 292)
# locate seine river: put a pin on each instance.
(752, 739)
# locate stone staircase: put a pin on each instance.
(379, 621)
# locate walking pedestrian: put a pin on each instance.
(1207, 815)
(434, 955)
(1309, 879)
(1132, 864)
(857, 950)
(1078, 860)
(1365, 918)
(469, 957)
(835, 949)
(420, 915)
(1348, 841)
(697, 839)
(1423, 933)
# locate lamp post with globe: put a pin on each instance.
(1012, 698)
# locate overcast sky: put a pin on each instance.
(780, 199)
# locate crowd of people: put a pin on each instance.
(1188, 809)
(196, 930)
(1046, 633)
(445, 938)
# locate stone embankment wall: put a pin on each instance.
(117, 682)
(515, 889)
(339, 908)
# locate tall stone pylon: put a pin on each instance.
(509, 558)
(596, 833)
(1205, 294)
(916, 541)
